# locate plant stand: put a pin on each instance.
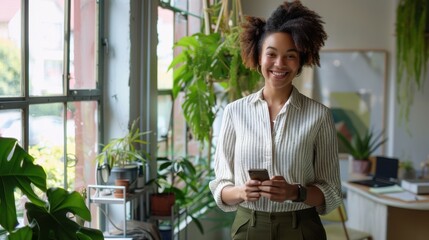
(96, 197)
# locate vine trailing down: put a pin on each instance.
(412, 51)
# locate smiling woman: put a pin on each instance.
(278, 129)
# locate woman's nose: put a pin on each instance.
(280, 62)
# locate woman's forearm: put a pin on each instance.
(231, 195)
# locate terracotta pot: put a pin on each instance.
(121, 182)
(161, 204)
(361, 166)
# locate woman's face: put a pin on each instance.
(279, 60)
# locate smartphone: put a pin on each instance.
(259, 174)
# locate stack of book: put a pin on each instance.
(417, 186)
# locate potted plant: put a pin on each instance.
(177, 184)
(123, 157)
(406, 170)
(361, 147)
(48, 219)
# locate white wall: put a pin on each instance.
(368, 24)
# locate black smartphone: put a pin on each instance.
(259, 174)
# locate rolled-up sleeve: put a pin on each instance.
(327, 165)
(224, 161)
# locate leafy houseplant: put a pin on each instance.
(361, 147)
(412, 50)
(208, 66)
(49, 219)
(124, 156)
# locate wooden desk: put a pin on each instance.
(386, 218)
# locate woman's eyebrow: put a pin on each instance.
(275, 49)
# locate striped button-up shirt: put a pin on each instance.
(301, 147)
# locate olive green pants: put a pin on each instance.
(296, 225)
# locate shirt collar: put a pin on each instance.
(295, 97)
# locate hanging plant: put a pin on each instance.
(412, 51)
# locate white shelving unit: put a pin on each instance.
(97, 196)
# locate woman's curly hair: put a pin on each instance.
(304, 25)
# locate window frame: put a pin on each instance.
(70, 95)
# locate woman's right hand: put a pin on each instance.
(250, 192)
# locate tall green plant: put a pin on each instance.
(48, 219)
(412, 51)
(210, 65)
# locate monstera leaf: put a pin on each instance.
(52, 221)
(17, 170)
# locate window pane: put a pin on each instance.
(46, 43)
(82, 143)
(181, 4)
(180, 28)
(165, 48)
(82, 45)
(194, 25)
(195, 7)
(165, 108)
(11, 124)
(46, 140)
(10, 48)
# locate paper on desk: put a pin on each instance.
(388, 189)
(406, 196)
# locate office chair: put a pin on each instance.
(336, 229)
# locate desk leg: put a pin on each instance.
(366, 215)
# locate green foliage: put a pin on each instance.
(189, 183)
(10, 69)
(122, 151)
(412, 51)
(52, 220)
(17, 171)
(361, 147)
(49, 158)
(204, 61)
(193, 76)
(48, 220)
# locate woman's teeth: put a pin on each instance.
(278, 74)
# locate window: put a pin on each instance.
(50, 97)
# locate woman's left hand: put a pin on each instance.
(278, 190)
